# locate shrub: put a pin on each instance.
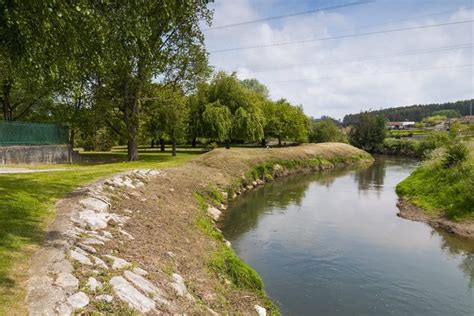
(211, 146)
(456, 154)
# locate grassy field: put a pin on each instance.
(442, 191)
(27, 202)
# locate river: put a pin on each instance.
(330, 243)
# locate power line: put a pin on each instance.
(342, 36)
(345, 5)
(364, 58)
(374, 74)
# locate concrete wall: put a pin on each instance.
(42, 154)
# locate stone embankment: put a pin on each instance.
(76, 270)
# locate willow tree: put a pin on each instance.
(218, 120)
(147, 40)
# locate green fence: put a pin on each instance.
(18, 133)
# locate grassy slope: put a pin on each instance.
(441, 191)
(26, 208)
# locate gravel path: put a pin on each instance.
(26, 170)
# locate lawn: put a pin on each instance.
(27, 206)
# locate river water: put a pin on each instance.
(331, 244)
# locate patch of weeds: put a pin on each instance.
(105, 289)
(168, 269)
(124, 310)
(215, 196)
(203, 222)
(225, 262)
(104, 306)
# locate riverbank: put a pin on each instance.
(440, 195)
(152, 243)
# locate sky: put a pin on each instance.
(333, 69)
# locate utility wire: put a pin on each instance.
(374, 74)
(363, 58)
(343, 36)
(345, 5)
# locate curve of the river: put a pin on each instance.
(331, 244)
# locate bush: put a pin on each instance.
(210, 146)
(325, 131)
(456, 154)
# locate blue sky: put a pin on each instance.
(347, 75)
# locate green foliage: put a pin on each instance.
(203, 222)
(435, 119)
(414, 113)
(257, 87)
(218, 119)
(325, 131)
(248, 124)
(456, 154)
(226, 263)
(369, 133)
(447, 113)
(437, 189)
(414, 148)
(211, 146)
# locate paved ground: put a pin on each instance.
(26, 170)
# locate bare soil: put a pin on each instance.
(409, 211)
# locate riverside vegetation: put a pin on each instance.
(444, 183)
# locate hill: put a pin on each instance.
(414, 112)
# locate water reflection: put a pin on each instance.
(331, 243)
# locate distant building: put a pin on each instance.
(399, 125)
(467, 119)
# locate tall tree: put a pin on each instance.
(369, 132)
(150, 39)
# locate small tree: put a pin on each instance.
(456, 154)
(369, 132)
(325, 131)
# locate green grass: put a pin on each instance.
(442, 191)
(27, 206)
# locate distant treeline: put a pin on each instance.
(414, 112)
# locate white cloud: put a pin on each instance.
(345, 87)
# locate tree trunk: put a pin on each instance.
(194, 142)
(72, 137)
(6, 102)
(173, 152)
(227, 144)
(279, 141)
(264, 142)
(131, 121)
(152, 143)
(162, 145)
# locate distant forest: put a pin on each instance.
(414, 112)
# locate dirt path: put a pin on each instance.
(26, 170)
(409, 211)
(139, 241)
